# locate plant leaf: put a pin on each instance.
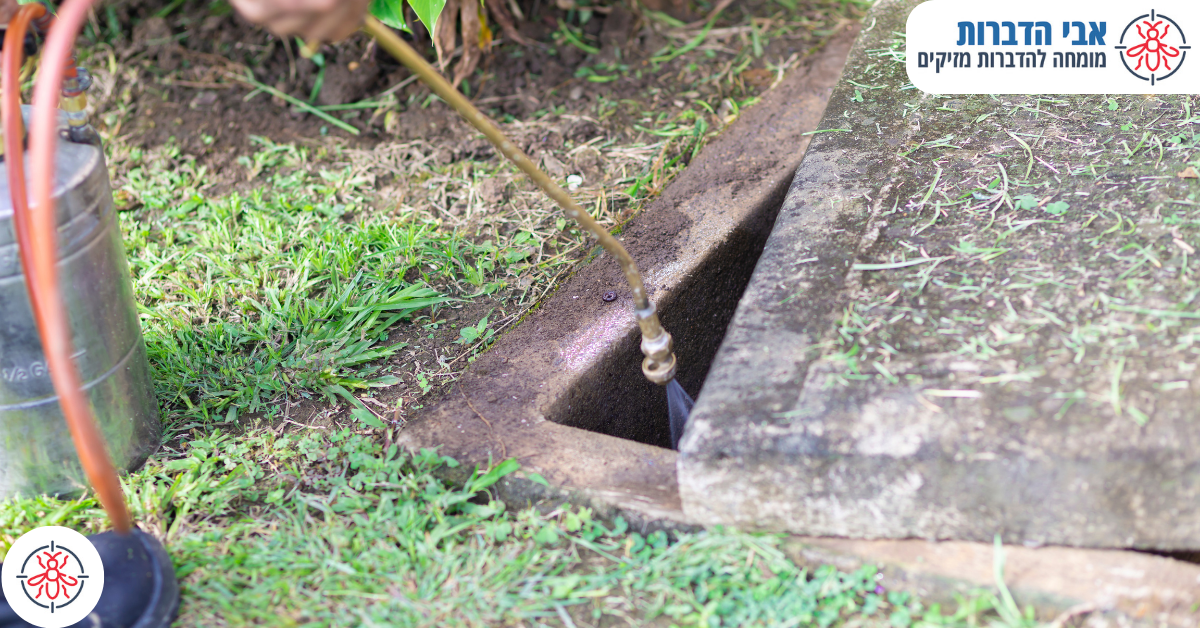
(428, 11)
(493, 475)
(1058, 208)
(367, 418)
(390, 12)
(359, 411)
(381, 382)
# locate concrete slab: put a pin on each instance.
(1092, 588)
(975, 316)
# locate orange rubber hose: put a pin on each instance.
(52, 321)
(14, 132)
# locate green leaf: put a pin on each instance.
(407, 301)
(493, 475)
(360, 410)
(367, 418)
(428, 11)
(182, 464)
(547, 535)
(467, 335)
(1058, 208)
(535, 477)
(390, 12)
(1026, 201)
(501, 530)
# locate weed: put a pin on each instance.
(245, 299)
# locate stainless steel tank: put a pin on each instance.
(36, 452)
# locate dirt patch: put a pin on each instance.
(183, 79)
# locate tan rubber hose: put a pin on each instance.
(659, 366)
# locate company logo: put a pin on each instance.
(1153, 47)
(1039, 47)
(52, 577)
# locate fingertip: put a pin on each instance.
(337, 27)
(253, 11)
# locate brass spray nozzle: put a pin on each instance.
(659, 365)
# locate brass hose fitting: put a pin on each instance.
(659, 365)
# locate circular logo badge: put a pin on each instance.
(1153, 47)
(52, 577)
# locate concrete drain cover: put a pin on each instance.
(975, 316)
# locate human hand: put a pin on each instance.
(314, 20)
(8, 8)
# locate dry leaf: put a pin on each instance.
(500, 13)
(471, 33)
(1188, 173)
(760, 78)
(553, 166)
(444, 39)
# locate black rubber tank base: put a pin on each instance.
(140, 589)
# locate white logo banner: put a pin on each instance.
(1054, 47)
(52, 577)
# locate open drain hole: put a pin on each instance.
(1187, 556)
(614, 398)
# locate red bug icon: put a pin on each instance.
(52, 582)
(1153, 52)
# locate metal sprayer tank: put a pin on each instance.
(36, 452)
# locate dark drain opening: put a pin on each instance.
(1187, 556)
(614, 398)
(742, 178)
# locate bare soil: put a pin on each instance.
(183, 74)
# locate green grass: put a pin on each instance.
(337, 529)
(248, 299)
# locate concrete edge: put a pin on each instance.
(1110, 585)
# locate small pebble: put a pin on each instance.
(609, 296)
(573, 182)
